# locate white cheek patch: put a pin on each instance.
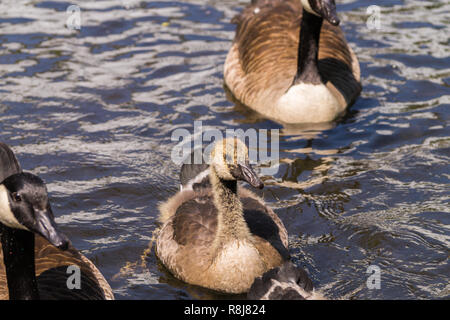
(307, 7)
(6, 215)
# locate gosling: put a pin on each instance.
(221, 236)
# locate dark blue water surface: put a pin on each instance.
(92, 112)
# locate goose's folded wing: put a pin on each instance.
(195, 222)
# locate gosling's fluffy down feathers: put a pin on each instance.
(190, 225)
(217, 234)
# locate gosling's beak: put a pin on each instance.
(250, 176)
(329, 12)
(45, 226)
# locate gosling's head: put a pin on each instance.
(229, 158)
(325, 9)
(24, 205)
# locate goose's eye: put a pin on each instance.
(17, 197)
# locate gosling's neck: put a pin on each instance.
(308, 49)
(231, 225)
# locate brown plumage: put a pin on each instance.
(220, 237)
(51, 271)
(262, 64)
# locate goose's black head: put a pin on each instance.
(24, 205)
(286, 282)
(325, 9)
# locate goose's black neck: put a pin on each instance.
(18, 256)
(308, 49)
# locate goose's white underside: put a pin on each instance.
(6, 215)
(308, 103)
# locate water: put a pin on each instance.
(92, 111)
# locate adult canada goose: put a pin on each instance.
(34, 254)
(290, 61)
(286, 282)
(219, 235)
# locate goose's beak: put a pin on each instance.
(329, 12)
(249, 175)
(46, 227)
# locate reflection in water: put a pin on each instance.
(92, 112)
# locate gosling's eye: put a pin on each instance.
(17, 197)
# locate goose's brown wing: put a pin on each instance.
(264, 53)
(195, 222)
(52, 274)
(338, 63)
(263, 56)
(187, 234)
(52, 263)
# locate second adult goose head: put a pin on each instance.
(25, 211)
(34, 254)
(221, 236)
(290, 61)
(24, 205)
(286, 282)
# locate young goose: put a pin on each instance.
(286, 282)
(221, 236)
(34, 254)
(290, 61)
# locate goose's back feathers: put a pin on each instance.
(51, 271)
(270, 47)
(262, 62)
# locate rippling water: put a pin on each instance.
(92, 111)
